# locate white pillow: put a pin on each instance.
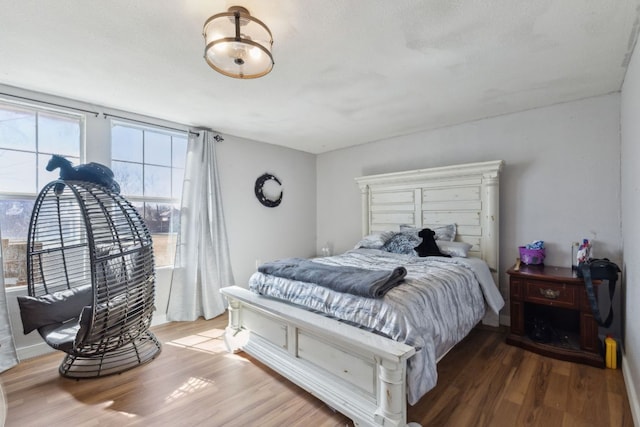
(375, 240)
(443, 232)
(457, 249)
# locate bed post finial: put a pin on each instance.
(364, 200)
(491, 220)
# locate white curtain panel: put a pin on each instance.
(8, 355)
(202, 265)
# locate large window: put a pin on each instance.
(148, 163)
(28, 138)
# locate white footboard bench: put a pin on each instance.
(356, 372)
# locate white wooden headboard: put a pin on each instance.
(467, 195)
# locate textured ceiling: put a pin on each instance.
(346, 72)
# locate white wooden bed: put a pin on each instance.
(361, 374)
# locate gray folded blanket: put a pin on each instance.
(352, 280)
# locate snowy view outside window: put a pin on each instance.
(28, 138)
(148, 163)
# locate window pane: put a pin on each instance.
(129, 176)
(17, 128)
(14, 218)
(157, 181)
(14, 226)
(16, 172)
(150, 163)
(28, 137)
(157, 148)
(59, 134)
(179, 152)
(176, 183)
(126, 143)
(160, 218)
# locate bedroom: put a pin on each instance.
(590, 140)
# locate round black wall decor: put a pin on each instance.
(260, 195)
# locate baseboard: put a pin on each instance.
(491, 319)
(35, 350)
(505, 319)
(632, 392)
(159, 319)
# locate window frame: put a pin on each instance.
(141, 201)
(38, 109)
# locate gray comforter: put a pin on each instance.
(438, 304)
(348, 279)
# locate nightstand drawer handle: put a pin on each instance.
(550, 293)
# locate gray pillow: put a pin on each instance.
(60, 336)
(109, 318)
(84, 323)
(57, 307)
(456, 249)
(375, 240)
(402, 243)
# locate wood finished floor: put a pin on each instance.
(195, 382)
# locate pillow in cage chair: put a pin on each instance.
(56, 315)
(53, 309)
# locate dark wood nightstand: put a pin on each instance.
(559, 299)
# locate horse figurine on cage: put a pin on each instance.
(91, 172)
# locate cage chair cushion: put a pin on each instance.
(109, 319)
(61, 336)
(54, 309)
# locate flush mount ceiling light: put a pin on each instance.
(237, 44)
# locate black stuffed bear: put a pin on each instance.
(428, 247)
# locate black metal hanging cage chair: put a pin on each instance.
(90, 253)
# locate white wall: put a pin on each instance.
(254, 231)
(630, 127)
(556, 157)
(257, 232)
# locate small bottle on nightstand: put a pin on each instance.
(574, 258)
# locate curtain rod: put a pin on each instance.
(218, 138)
(24, 98)
(107, 115)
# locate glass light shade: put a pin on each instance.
(237, 44)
